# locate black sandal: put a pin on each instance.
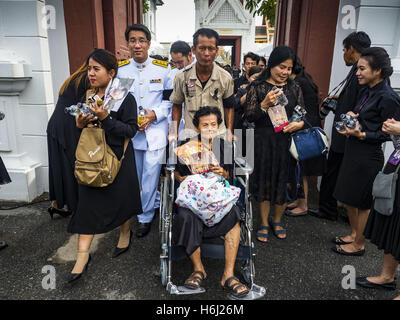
(234, 288)
(196, 279)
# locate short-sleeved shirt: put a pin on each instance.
(217, 92)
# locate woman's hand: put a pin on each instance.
(293, 126)
(82, 121)
(98, 110)
(391, 126)
(271, 98)
(219, 170)
(356, 132)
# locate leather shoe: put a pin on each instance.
(320, 215)
(143, 229)
(338, 249)
(119, 251)
(363, 282)
(3, 245)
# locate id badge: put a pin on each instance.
(191, 89)
(394, 158)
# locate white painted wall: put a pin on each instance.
(24, 33)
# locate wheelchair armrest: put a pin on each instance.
(242, 164)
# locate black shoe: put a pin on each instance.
(3, 245)
(76, 276)
(119, 251)
(338, 249)
(363, 282)
(320, 215)
(339, 241)
(143, 229)
(62, 213)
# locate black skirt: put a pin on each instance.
(361, 163)
(384, 231)
(189, 230)
(272, 161)
(4, 177)
(101, 210)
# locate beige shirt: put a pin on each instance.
(188, 90)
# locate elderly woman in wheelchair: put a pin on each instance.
(192, 230)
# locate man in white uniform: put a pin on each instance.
(152, 87)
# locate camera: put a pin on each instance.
(298, 114)
(328, 105)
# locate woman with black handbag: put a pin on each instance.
(363, 157)
(268, 182)
(102, 209)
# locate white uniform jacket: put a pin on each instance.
(152, 86)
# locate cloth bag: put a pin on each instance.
(384, 191)
(308, 143)
(207, 195)
(96, 164)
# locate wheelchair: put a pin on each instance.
(170, 253)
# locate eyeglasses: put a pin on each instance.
(140, 41)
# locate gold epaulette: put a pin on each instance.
(123, 63)
(160, 63)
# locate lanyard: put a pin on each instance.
(363, 103)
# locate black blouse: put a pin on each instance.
(375, 105)
(256, 94)
(121, 125)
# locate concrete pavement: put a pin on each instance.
(301, 267)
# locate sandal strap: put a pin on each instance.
(229, 280)
(263, 228)
(202, 277)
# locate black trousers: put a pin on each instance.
(327, 203)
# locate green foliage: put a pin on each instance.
(146, 6)
(264, 8)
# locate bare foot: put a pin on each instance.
(351, 247)
(380, 280)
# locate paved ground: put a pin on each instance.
(301, 267)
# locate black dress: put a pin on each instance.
(384, 231)
(272, 161)
(189, 229)
(315, 166)
(364, 158)
(62, 139)
(4, 177)
(103, 209)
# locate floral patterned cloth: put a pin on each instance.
(207, 195)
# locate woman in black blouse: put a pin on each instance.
(62, 139)
(101, 210)
(268, 182)
(363, 157)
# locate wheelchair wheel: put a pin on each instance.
(164, 271)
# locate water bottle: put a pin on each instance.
(282, 100)
(141, 116)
